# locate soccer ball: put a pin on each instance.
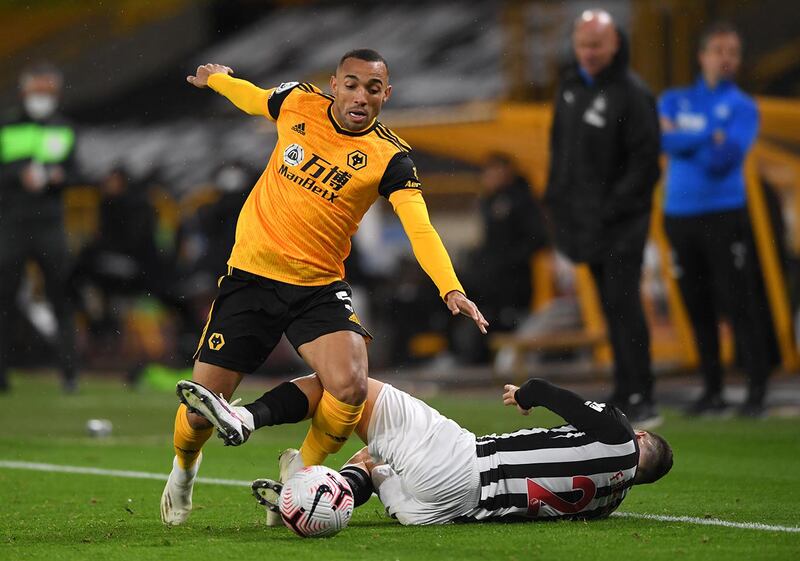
(316, 502)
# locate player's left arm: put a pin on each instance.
(401, 186)
(596, 419)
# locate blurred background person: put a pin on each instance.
(37, 160)
(217, 221)
(603, 167)
(124, 260)
(708, 129)
(205, 237)
(498, 272)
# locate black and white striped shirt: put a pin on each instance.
(580, 470)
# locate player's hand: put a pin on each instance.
(457, 303)
(509, 399)
(200, 79)
(666, 125)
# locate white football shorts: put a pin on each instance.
(431, 476)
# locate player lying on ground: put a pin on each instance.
(332, 160)
(427, 469)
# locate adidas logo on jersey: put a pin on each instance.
(300, 128)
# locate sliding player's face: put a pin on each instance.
(360, 88)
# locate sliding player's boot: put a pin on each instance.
(289, 462)
(268, 492)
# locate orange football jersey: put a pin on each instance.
(297, 222)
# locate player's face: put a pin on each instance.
(595, 45)
(721, 58)
(360, 88)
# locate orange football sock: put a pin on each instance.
(331, 426)
(188, 441)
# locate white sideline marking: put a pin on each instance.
(709, 522)
(32, 466)
(54, 468)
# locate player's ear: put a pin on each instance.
(333, 84)
(387, 93)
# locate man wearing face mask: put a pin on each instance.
(37, 149)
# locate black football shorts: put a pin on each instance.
(251, 313)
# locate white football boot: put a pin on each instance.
(234, 424)
(176, 500)
(290, 462)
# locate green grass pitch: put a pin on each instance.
(740, 471)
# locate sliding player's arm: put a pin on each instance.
(249, 98)
(599, 420)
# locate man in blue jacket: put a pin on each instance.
(707, 130)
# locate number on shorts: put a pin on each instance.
(342, 295)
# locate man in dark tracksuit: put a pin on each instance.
(707, 130)
(513, 230)
(37, 149)
(604, 165)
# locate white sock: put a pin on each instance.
(246, 417)
(183, 476)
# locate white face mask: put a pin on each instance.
(40, 106)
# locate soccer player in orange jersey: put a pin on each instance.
(332, 160)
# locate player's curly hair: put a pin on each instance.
(659, 463)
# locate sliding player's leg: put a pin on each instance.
(357, 474)
(191, 432)
(427, 469)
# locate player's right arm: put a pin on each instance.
(598, 419)
(246, 96)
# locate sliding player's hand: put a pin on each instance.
(510, 399)
(457, 303)
(200, 79)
